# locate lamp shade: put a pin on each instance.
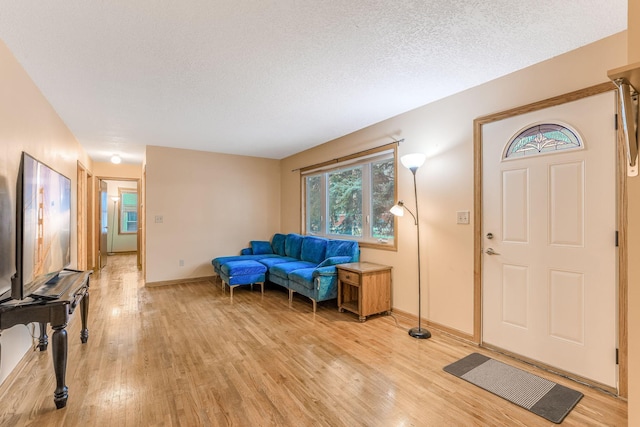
(413, 161)
(397, 210)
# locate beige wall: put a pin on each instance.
(109, 170)
(443, 130)
(211, 205)
(634, 243)
(27, 123)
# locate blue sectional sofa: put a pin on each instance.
(302, 264)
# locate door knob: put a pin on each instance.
(489, 236)
(490, 251)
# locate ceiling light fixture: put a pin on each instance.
(115, 159)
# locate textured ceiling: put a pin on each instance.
(271, 78)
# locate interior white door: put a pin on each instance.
(549, 288)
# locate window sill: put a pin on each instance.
(381, 246)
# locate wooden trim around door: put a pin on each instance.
(82, 220)
(85, 218)
(623, 262)
(138, 182)
(622, 220)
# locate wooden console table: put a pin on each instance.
(364, 288)
(56, 312)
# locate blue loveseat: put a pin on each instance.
(302, 264)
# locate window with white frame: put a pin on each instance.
(128, 218)
(351, 199)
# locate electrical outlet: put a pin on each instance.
(181, 263)
(462, 217)
(159, 219)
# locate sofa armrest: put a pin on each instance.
(327, 271)
(325, 280)
(334, 260)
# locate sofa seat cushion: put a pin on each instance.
(219, 261)
(243, 272)
(242, 268)
(270, 262)
(303, 277)
(283, 270)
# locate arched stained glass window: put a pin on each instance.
(541, 139)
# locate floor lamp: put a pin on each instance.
(413, 162)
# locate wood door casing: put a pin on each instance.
(104, 223)
(549, 291)
(622, 298)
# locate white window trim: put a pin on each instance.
(121, 209)
(348, 162)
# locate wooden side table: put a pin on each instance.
(364, 288)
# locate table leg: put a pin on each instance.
(43, 342)
(59, 346)
(84, 313)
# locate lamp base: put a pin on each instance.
(419, 333)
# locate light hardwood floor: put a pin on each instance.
(183, 355)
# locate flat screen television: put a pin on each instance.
(43, 226)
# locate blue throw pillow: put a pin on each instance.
(334, 260)
(260, 248)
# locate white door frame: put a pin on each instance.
(621, 208)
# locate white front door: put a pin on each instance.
(549, 288)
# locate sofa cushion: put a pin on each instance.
(342, 248)
(242, 268)
(313, 249)
(303, 277)
(283, 270)
(293, 245)
(217, 262)
(277, 244)
(259, 247)
(271, 261)
(244, 279)
(334, 260)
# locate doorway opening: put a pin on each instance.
(119, 208)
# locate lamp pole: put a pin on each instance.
(413, 162)
(418, 332)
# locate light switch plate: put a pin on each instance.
(462, 217)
